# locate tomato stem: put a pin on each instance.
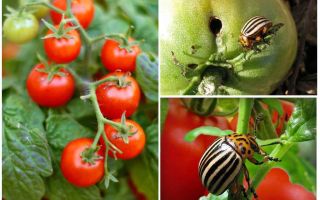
(245, 108)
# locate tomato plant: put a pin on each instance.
(83, 10)
(52, 121)
(39, 11)
(75, 169)
(116, 98)
(115, 58)
(20, 27)
(62, 48)
(50, 93)
(221, 24)
(179, 159)
(130, 149)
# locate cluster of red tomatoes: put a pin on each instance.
(51, 86)
(179, 170)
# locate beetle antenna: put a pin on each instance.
(258, 119)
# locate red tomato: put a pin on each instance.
(114, 58)
(83, 10)
(287, 112)
(9, 50)
(114, 100)
(63, 50)
(75, 170)
(54, 93)
(179, 159)
(129, 150)
(276, 185)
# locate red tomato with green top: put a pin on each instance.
(115, 58)
(129, 150)
(83, 10)
(54, 93)
(180, 159)
(75, 169)
(276, 185)
(63, 50)
(115, 99)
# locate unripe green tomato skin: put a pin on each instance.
(39, 11)
(187, 24)
(20, 29)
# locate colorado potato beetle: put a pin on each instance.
(224, 159)
(254, 31)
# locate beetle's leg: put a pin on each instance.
(273, 143)
(247, 177)
(255, 161)
(244, 192)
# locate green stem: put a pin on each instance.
(47, 4)
(245, 108)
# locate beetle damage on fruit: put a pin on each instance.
(215, 25)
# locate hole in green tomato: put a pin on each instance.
(215, 25)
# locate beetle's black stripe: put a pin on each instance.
(254, 25)
(209, 160)
(208, 153)
(218, 179)
(215, 164)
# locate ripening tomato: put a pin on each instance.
(276, 185)
(129, 150)
(115, 58)
(63, 50)
(75, 169)
(20, 28)
(9, 50)
(83, 10)
(54, 93)
(180, 159)
(115, 99)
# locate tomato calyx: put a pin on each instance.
(124, 130)
(125, 41)
(60, 31)
(89, 155)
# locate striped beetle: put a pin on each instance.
(222, 162)
(254, 31)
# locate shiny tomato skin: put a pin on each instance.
(55, 93)
(75, 170)
(82, 9)
(130, 150)
(115, 58)
(63, 50)
(114, 100)
(276, 185)
(179, 159)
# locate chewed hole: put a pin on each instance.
(215, 25)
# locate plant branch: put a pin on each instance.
(245, 108)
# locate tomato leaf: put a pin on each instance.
(206, 130)
(274, 104)
(164, 108)
(62, 128)
(119, 191)
(26, 157)
(59, 188)
(144, 169)
(147, 76)
(302, 124)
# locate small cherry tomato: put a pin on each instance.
(129, 150)
(83, 10)
(276, 185)
(54, 93)
(115, 99)
(75, 169)
(20, 28)
(115, 58)
(63, 50)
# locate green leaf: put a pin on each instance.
(59, 188)
(79, 108)
(119, 191)
(223, 196)
(147, 76)
(164, 108)
(25, 158)
(302, 124)
(274, 104)
(206, 130)
(144, 169)
(62, 128)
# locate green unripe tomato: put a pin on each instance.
(20, 28)
(39, 11)
(206, 23)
